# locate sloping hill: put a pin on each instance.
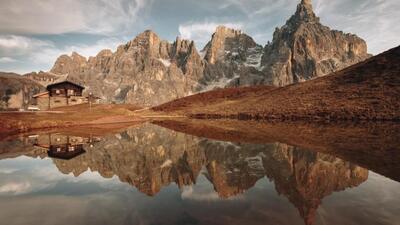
(369, 90)
(16, 91)
(214, 97)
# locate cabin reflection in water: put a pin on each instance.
(62, 146)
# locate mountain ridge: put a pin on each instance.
(149, 71)
(369, 90)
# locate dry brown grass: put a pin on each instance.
(218, 96)
(367, 91)
(78, 115)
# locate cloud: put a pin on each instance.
(204, 192)
(201, 32)
(58, 17)
(15, 187)
(254, 7)
(7, 60)
(24, 50)
(190, 193)
(25, 175)
(50, 54)
(13, 45)
(373, 20)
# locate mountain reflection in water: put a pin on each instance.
(150, 158)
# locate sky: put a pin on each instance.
(33, 33)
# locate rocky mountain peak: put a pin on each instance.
(304, 13)
(148, 70)
(181, 46)
(77, 56)
(104, 53)
(304, 48)
(144, 39)
(222, 41)
(147, 34)
(145, 44)
(69, 64)
(226, 31)
(306, 2)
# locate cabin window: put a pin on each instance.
(58, 149)
(57, 101)
(57, 91)
(71, 92)
(71, 148)
(73, 100)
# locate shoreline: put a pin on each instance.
(21, 122)
(12, 123)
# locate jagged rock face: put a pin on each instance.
(227, 44)
(148, 158)
(74, 64)
(16, 91)
(145, 71)
(305, 177)
(303, 49)
(230, 55)
(233, 169)
(149, 71)
(43, 78)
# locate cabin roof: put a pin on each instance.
(65, 81)
(40, 94)
(65, 155)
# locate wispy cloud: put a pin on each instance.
(58, 17)
(376, 21)
(14, 45)
(7, 60)
(50, 54)
(30, 50)
(15, 187)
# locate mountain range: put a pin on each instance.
(149, 71)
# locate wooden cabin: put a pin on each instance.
(60, 94)
(61, 146)
(65, 151)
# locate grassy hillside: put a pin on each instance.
(367, 91)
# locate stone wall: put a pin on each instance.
(43, 102)
(76, 100)
(58, 102)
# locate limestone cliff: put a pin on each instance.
(304, 49)
(145, 71)
(229, 55)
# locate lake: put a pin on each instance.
(203, 172)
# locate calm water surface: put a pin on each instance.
(152, 175)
